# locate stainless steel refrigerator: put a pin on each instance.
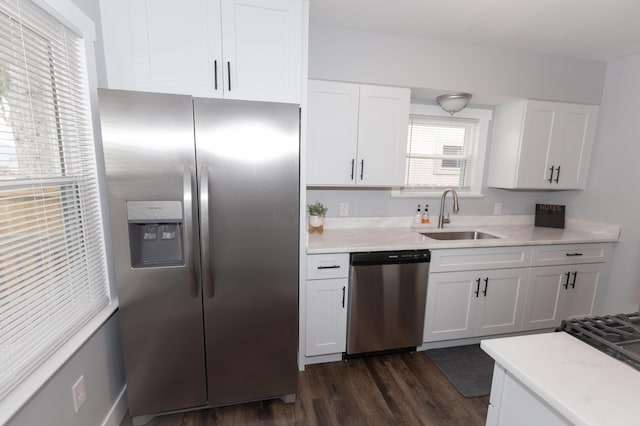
(204, 208)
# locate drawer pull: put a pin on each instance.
(574, 254)
(329, 267)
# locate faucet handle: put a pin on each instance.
(446, 219)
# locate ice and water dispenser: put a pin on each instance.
(155, 233)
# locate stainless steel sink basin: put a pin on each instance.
(459, 235)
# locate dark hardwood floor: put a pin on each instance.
(401, 389)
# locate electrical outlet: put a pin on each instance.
(79, 391)
(497, 208)
(344, 209)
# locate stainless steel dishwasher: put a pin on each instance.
(387, 295)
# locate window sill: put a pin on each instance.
(21, 394)
(395, 193)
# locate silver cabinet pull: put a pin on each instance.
(187, 208)
(204, 231)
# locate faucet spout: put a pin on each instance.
(456, 207)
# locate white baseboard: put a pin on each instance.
(118, 411)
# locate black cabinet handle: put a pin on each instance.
(343, 295)
(574, 254)
(353, 164)
(477, 287)
(215, 75)
(329, 267)
(551, 175)
(566, 285)
(575, 275)
(229, 74)
(486, 285)
(557, 174)
(361, 169)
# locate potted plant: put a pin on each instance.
(317, 213)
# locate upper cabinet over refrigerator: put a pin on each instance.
(541, 145)
(233, 49)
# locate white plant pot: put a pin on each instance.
(316, 221)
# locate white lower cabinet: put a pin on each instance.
(326, 316)
(560, 292)
(474, 303)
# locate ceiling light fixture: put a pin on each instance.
(453, 102)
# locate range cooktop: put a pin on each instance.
(617, 335)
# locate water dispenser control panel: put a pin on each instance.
(155, 233)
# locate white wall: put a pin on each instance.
(100, 360)
(612, 189)
(367, 57)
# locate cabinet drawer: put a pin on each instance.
(480, 258)
(320, 266)
(570, 254)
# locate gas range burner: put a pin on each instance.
(616, 335)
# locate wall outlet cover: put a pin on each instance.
(79, 391)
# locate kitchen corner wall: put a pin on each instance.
(375, 58)
(612, 189)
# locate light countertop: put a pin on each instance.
(369, 234)
(586, 386)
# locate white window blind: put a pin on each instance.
(441, 152)
(52, 262)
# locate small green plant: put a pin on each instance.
(317, 209)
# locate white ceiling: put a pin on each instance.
(590, 29)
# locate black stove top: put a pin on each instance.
(616, 335)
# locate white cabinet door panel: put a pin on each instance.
(332, 135)
(449, 306)
(261, 48)
(582, 290)
(382, 135)
(536, 143)
(175, 46)
(501, 301)
(326, 316)
(545, 297)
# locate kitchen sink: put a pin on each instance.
(459, 235)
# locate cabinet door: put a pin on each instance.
(583, 287)
(538, 133)
(332, 135)
(262, 49)
(571, 147)
(546, 293)
(176, 46)
(451, 298)
(500, 301)
(382, 135)
(326, 316)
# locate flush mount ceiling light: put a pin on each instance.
(453, 102)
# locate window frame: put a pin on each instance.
(484, 117)
(66, 12)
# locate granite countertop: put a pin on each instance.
(379, 234)
(586, 386)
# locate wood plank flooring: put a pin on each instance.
(401, 389)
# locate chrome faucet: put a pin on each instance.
(456, 207)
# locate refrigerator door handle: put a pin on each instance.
(207, 281)
(187, 206)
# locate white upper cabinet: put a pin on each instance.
(357, 134)
(237, 49)
(541, 145)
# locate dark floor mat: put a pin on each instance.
(468, 368)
